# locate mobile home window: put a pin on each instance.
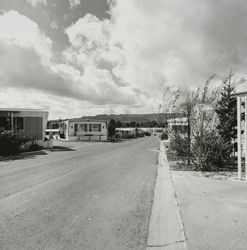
(55, 126)
(83, 127)
(18, 123)
(95, 127)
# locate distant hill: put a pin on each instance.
(126, 118)
(143, 119)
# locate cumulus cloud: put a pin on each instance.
(179, 43)
(28, 70)
(127, 61)
(35, 3)
(167, 43)
(19, 30)
(26, 62)
(74, 3)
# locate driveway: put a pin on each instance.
(79, 196)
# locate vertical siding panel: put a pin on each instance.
(33, 126)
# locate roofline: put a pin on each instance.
(20, 109)
(125, 128)
(82, 120)
(239, 94)
(177, 118)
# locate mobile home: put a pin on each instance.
(83, 130)
(28, 122)
(125, 133)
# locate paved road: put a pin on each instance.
(214, 212)
(87, 196)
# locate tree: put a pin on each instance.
(203, 145)
(195, 110)
(119, 124)
(133, 124)
(112, 128)
(227, 112)
(168, 106)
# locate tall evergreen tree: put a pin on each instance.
(227, 112)
(112, 128)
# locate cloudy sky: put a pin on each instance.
(84, 57)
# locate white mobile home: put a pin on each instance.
(125, 133)
(83, 130)
(179, 124)
(28, 122)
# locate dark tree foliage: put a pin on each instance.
(153, 123)
(112, 128)
(133, 124)
(119, 124)
(227, 113)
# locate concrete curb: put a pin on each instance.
(166, 230)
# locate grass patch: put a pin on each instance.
(177, 163)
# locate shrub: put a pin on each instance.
(164, 136)
(129, 136)
(207, 152)
(147, 133)
(179, 145)
(12, 143)
(32, 145)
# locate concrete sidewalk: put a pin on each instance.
(214, 211)
(165, 229)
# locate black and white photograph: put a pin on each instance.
(123, 124)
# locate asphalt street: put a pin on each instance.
(214, 212)
(79, 196)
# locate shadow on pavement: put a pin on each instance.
(60, 148)
(28, 155)
(32, 155)
(116, 141)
